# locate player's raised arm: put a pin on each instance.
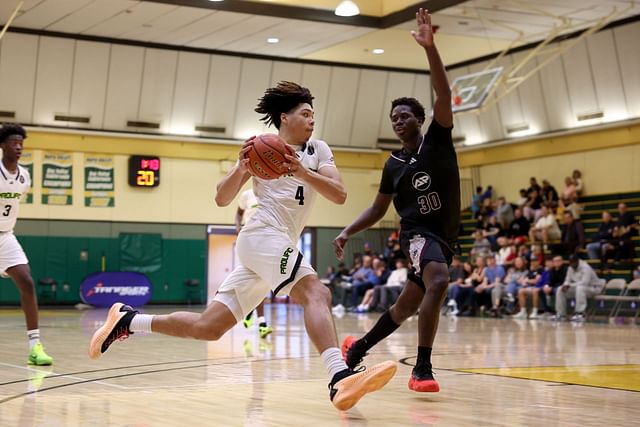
(424, 37)
(230, 186)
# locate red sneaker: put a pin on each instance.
(422, 381)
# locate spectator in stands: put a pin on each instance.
(381, 277)
(504, 212)
(457, 275)
(464, 298)
(518, 229)
(536, 253)
(581, 283)
(489, 292)
(384, 296)
(524, 197)
(546, 228)
(602, 246)
(476, 202)
(506, 254)
(492, 231)
(486, 210)
(481, 245)
(367, 250)
(636, 273)
(488, 194)
(577, 180)
(364, 278)
(556, 279)
(532, 209)
(514, 280)
(570, 192)
(626, 228)
(549, 194)
(533, 185)
(572, 239)
(530, 288)
(544, 281)
(388, 251)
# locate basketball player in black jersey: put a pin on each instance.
(423, 181)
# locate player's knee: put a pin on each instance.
(205, 331)
(401, 311)
(319, 294)
(26, 285)
(438, 284)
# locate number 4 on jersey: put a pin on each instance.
(300, 195)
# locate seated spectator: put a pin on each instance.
(504, 213)
(486, 210)
(514, 281)
(530, 288)
(577, 180)
(532, 209)
(518, 229)
(626, 228)
(636, 273)
(533, 185)
(492, 231)
(602, 246)
(488, 194)
(506, 254)
(572, 238)
(364, 278)
(387, 252)
(457, 275)
(536, 253)
(581, 283)
(556, 279)
(481, 245)
(549, 194)
(545, 281)
(460, 295)
(570, 192)
(488, 293)
(382, 297)
(381, 276)
(476, 202)
(546, 228)
(367, 249)
(523, 198)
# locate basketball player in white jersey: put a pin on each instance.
(247, 206)
(14, 182)
(269, 259)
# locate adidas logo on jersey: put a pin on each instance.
(285, 260)
(10, 195)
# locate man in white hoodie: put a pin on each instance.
(581, 283)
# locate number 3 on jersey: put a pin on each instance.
(428, 203)
(300, 195)
(7, 210)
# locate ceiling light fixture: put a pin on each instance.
(347, 8)
(377, 51)
(216, 0)
(273, 40)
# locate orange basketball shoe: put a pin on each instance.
(116, 327)
(349, 386)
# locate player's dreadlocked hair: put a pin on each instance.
(8, 130)
(281, 99)
(416, 108)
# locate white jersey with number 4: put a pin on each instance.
(12, 187)
(286, 203)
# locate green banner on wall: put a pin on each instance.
(26, 161)
(98, 181)
(57, 178)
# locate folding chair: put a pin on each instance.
(611, 291)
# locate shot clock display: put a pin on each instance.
(144, 171)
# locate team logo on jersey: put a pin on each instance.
(10, 195)
(310, 150)
(413, 160)
(21, 179)
(421, 181)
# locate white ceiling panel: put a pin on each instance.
(203, 27)
(8, 6)
(90, 15)
(176, 19)
(129, 19)
(46, 12)
(242, 30)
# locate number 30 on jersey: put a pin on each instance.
(428, 203)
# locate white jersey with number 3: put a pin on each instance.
(12, 187)
(286, 203)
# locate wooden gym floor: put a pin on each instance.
(492, 373)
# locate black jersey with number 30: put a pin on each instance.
(426, 185)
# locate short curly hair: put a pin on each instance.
(281, 99)
(416, 107)
(10, 129)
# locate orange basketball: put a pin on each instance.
(266, 156)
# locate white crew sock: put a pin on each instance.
(261, 320)
(332, 359)
(141, 323)
(34, 337)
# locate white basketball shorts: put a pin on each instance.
(268, 260)
(11, 253)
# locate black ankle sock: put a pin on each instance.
(248, 316)
(382, 329)
(263, 324)
(424, 356)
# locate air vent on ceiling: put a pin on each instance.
(590, 116)
(210, 129)
(68, 118)
(8, 114)
(141, 124)
(388, 144)
(521, 127)
(458, 139)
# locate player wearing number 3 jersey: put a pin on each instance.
(423, 181)
(267, 253)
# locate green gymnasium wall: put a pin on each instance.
(55, 250)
